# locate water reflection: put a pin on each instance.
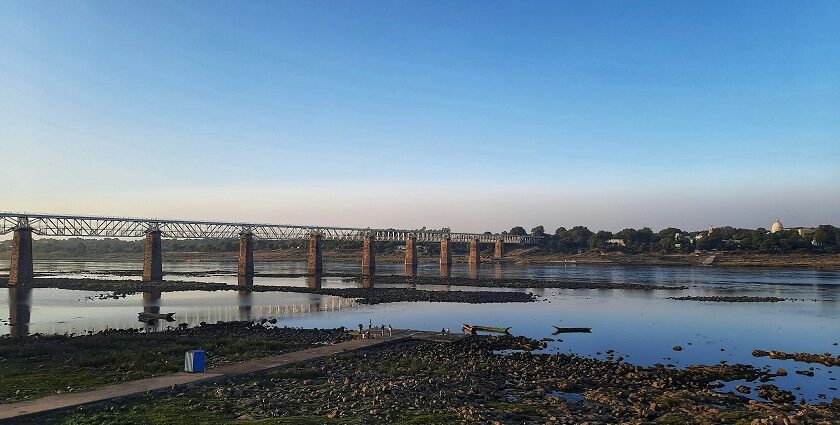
(411, 270)
(151, 302)
(473, 271)
(497, 270)
(367, 281)
(445, 270)
(20, 310)
(245, 299)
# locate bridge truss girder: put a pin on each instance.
(122, 227)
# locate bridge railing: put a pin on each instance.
(125, 227)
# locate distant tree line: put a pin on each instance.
(825, 238)
(91, 247)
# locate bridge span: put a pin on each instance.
(24, 225)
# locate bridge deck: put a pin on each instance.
(123, 227)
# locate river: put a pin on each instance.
(641, 326)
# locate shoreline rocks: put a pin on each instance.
(730, 299)
(825, 359)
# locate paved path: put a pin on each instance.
(67, 400)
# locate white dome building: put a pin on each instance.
(776, 226)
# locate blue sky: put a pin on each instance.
(477, 115)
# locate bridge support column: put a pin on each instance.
(314, 281)
(411, 251)
(500, 250)
(152, 257)
(20, 269)
(368, 255)
(475, 253)
(313, 264)
(246, 256)
(445, 254)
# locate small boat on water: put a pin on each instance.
(559, 330)
(150, 317)
(473, 329)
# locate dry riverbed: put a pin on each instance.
(475, 380)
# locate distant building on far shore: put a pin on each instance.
(616, 242)
(778, 227)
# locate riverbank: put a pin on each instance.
(40, 365)
(469, 381)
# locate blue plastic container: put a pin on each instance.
(194, 361)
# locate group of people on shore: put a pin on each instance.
(370, 333)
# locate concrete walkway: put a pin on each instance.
(134, 388)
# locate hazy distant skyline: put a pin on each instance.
(472, 115)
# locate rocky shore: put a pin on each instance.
(471, 381)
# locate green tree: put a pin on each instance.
(518, 231)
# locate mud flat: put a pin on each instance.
(389, 295)
(518, 283)
(469, 381)
(730, 299)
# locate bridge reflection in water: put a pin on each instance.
(245, 310)
(20, 310)
(245, 307)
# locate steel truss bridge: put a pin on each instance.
(124, 227)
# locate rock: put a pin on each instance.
(677, 348)
(781, 372)
(743, 389)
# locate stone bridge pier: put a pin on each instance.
(152, 257)
(475, 253)
(245, 271)
(445, 257)
(368, 255)
(499, 252)
(314, 266)
(411, 256)
(21, 269)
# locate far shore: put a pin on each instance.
(514, 256)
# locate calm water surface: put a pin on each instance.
(643, 326)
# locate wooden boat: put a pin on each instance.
(149, 317)
(559, 330)
(473, 329)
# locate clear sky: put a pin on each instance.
(477, 115)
